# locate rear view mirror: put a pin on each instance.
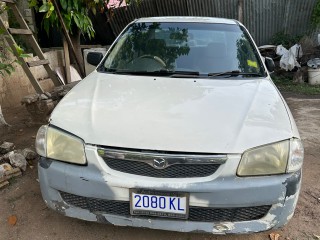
(94, 58)
(269, 64)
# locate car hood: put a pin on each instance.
(174, 114)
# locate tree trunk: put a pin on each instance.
(75, 38)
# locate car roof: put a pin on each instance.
(188, 19)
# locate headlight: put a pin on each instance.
(296, 155)
(41, 145)
(276, 158)
(58, 145)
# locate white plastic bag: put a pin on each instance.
(289, 57)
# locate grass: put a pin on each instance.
(286, 85)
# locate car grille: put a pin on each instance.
(174, 171)
(197, 214)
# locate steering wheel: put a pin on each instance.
(156, 58)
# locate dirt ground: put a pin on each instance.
(35, 221)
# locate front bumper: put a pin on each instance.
(221, 190)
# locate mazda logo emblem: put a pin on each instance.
(159, 163)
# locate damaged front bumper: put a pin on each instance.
(69, 189)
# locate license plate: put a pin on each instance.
(159, 204)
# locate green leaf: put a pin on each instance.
(67, 16)
(44, 8)
(2, 66)
(51, 7)
(54, 20)
(19, 50)
(24, 55)
(2, 31)
(74, 13)
(34, 4)
(94, 10)
(50, 10)
(7, 71)
(67, 20)
(48, 14)
(76, 20)
(81, 21)
(64, 4)
(76, 5)
(10, 67)
(46, 25)
(69, 8)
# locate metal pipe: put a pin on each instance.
(240, 10)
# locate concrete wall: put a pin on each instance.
(27, 14)
(17, 85)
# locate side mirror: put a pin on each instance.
(269, 64)
(94, 58)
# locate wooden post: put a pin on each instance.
(240, 10)
(66, 34)
(67, 61)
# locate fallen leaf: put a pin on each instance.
(12, 220)
(274, 236)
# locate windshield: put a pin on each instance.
(197, 48)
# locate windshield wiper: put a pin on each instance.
(161, 72)
(234, 73)
(182, 74)
(125, 71)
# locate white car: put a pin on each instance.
(179, 128)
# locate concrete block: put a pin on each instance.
(28, 12)
(6, 147)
